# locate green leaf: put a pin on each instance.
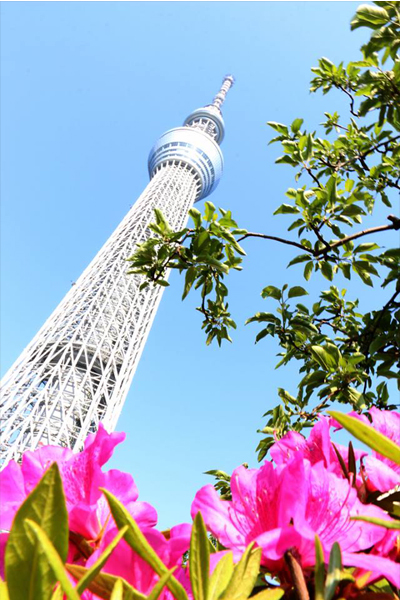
(28, 572)
(278, 127)
(355, 358)
(299, 259)
(308, 270)
(327, 357)
(199, 558)
(334, 572)
(136, 540)
(269, 594)
(189, 279)
(377, 343)
(326, 269)
(196, 216)
(244, 575)
(302, 142)
(54, 561)
(95, 569)
(286, 209)
(261, 335)
(272, 292)
(368, 15)
(297, 290)
(330, 188)
(356, 398)
(4, 592)
(201, 241)
(118, 591)
(161, 583)
(309, 148)
(162, 221)
(295, 126)
(287, 160)
(319, 578)
(209, 210)
(262, 317)
(369, 436)
(362, 272)
(104, 583)
(345, 267)
(380, 522)
(366, 247)
(58, 594)
(220, 577)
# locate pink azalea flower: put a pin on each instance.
(124, 562)
(380, 473)
(82, 477)
(318, 447)
(283, 507)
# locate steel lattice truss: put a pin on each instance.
(77, 371)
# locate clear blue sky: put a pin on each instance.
(86, 90)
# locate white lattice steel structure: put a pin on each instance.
(77, 371)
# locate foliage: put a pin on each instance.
(344, 355)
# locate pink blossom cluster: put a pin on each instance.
(280, 506)
(304, 492)
(90, 523)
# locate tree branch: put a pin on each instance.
(355, 114)
(395, 225)
(315, 253)
(311, 174)
(363, 155)
(370, 334)
(275, 239)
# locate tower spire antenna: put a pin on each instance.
(209, 118)
(219, 99)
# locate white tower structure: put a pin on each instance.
(77, 371)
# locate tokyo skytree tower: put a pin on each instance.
(77, 371)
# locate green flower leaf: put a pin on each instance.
(380, 522)
(220, 577)
(136, 540)
(319, 578)
(95, 569)
(334, 572)
(244, 575)
(118, 591)
(103, 584)
(53, 559)
(28, 572)
(369, 436)
(199, 558)
(269, 594)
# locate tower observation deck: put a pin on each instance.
(78, 369)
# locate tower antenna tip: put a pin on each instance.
(227, 83)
